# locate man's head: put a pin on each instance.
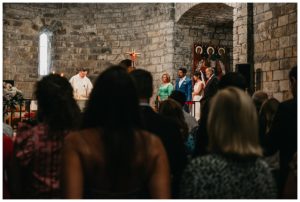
(82, 72)
(209, 72)
(182, 72)
(259, 97)
(144, 83)
(293, 80)
(127, 64)
(178, 96)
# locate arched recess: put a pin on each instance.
(207, 23)
(45, 61)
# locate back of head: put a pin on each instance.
(144, 83)
(113, 107)
(57, 107)
(125, 63)
(178, 96)
(113, 101)
(172, 109)
(232, 124)
(268, 110)
(233, 79)
(259, 97)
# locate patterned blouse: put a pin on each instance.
(218, 177)
(39, 153)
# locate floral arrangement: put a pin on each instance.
(12, 97)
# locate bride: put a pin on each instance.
(197, 93)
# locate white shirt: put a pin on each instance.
(82, 87)
(181, 81)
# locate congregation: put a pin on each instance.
(229, 145)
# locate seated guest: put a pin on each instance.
(172, 109)
(38, 148)
(282, 136)
(166, 129)
(181, 98)
(233, 168)
(259, 97)
(266, 114)
(111, 156)
(127, 64)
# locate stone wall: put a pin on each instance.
(240, 35)
(91, 35)
(96, 35)
(275, 42)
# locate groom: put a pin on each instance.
(184, 84)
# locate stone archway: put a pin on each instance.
(222, 11)
(202, 22)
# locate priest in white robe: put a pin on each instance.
(82, 85)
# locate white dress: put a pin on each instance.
(198, 88)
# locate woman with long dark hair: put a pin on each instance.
(111, 157)
(38, 147)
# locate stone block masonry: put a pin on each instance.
(277, 48)
(96, 35)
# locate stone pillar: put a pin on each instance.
(243, 38)
(240, 17)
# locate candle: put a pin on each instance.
(53, 72)
(62, 74)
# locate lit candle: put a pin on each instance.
(62, 74)
(53, 72)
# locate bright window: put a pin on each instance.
(44, 53)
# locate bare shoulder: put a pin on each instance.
(153, 141)
(152, 138)
(75, 138)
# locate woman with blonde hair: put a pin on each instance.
(233, 169)
(165, 89)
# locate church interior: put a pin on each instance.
(230, 69)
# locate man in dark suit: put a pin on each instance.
(166, 129)
(211, 86)
(283, 132)
(184, 84)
